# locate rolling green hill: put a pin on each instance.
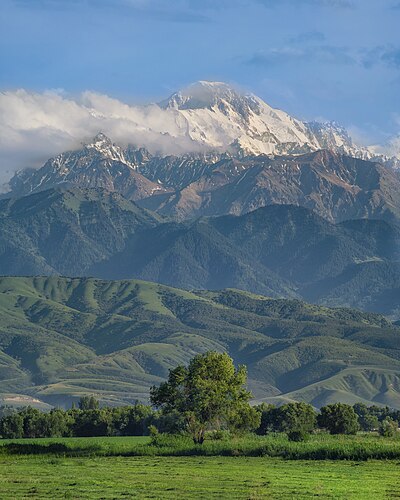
(61, 338)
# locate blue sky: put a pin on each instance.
(324, 59)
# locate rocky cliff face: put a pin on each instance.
(99, 164)
(336, 186)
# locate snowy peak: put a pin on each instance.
(100, 142)
(98, 164)
(220, 117)
(330, 134)
(198, 95)
(211, 95)
(102, 146)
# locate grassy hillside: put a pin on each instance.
(61, 338)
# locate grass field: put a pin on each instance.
(133, 467)
(195, 477)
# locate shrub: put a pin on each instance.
(298, 436)
(218, 435)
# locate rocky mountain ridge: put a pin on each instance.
(210, 121)
(336, 186)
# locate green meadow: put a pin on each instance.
(194, 477)
(321, 446)
(249, 467)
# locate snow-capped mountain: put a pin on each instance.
(388, 154)
(99, 164)
(218, 117)
(206, 118)
(221, 124)
(133, 172)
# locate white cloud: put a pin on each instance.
(34, 126)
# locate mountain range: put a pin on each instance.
(61, 338)
(261, 202)
(336, 186)
(253, 156)
(220, 117)
(278, 250)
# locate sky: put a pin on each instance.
(316, 59)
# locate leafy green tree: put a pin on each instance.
(58, 423)
(12, 426)
(93, 423)
(209, 393)
(298, 420)
(170, 423)
(6, 410)
(33, 422)
(388, 427)
(132, 420)
(366, 418)
(338, 418)
(243, 418)
(269, 418)
(88, 403)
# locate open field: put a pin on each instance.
(250, 467)
(194, 477)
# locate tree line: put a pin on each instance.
(209, 395)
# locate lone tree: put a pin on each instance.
(209, 393)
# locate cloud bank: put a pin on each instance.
(34, 126)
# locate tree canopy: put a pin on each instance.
(210, 392)
(339, 418)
